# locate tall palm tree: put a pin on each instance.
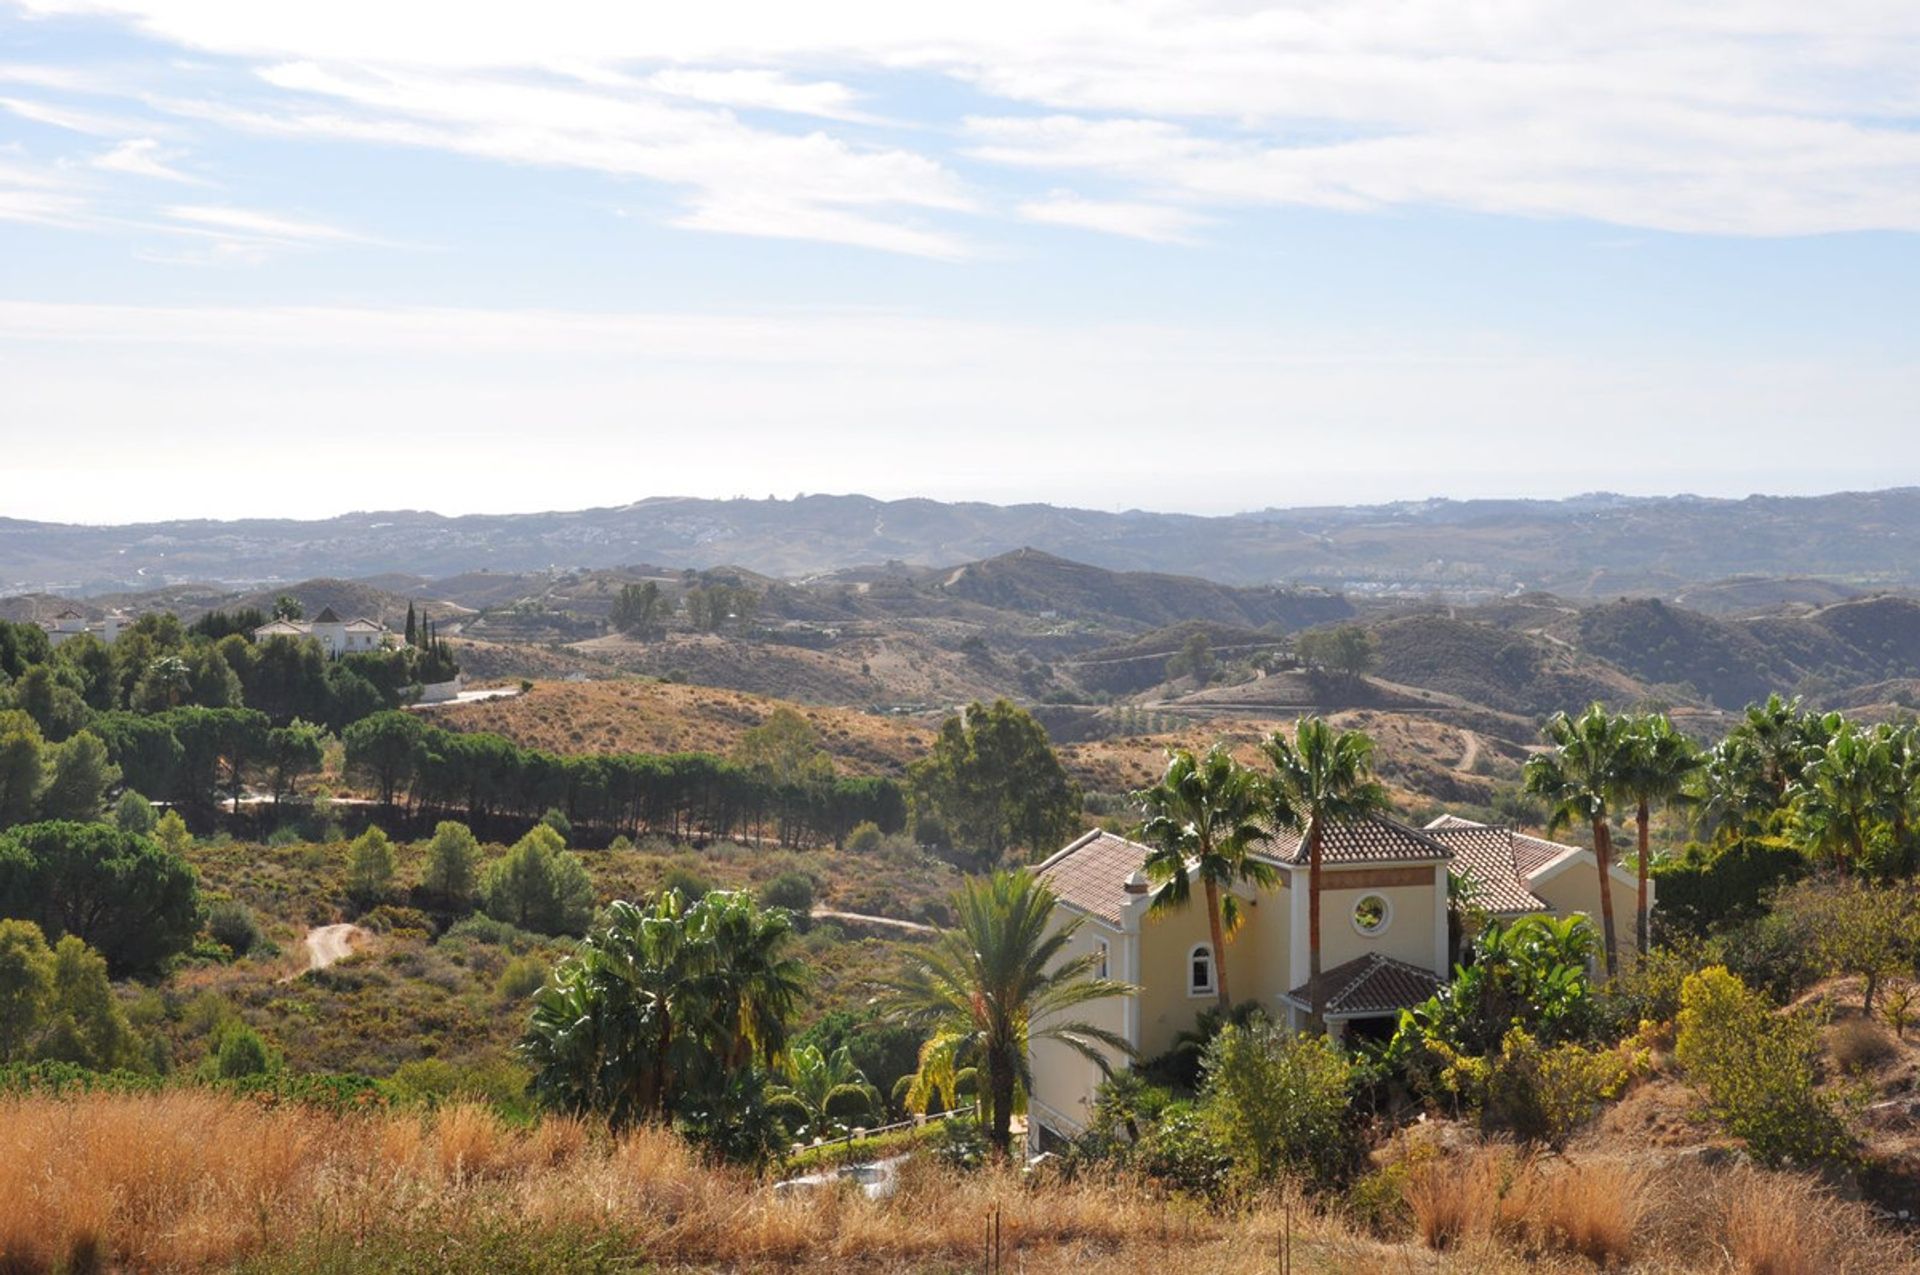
(1733, 795)
(991, 986)
(1321, 779)
(1200, 819)
(1578, 779)
(1777, 730)
(1659, 765)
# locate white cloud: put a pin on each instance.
(74, 120)
(1757, 117)
(761, 90)
(32, 195)
(246, 221)
(1158, 222)
(144, 157)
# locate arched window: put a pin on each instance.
(1200, 980)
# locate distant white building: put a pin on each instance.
(335, 635)
(70, 623)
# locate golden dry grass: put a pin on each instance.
(636, 715)
(195, 1181)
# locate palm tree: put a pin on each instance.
(1578, 779)
(1660, 762)
(1200, 819)
(1733, 795)
(990, 987)
(658, 998)
(1848, 785)
(1778, 731)
(1322, 779)
(828, 1087)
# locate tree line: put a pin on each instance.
(482, 777)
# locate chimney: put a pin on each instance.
(1137, 883)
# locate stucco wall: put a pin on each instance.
(1063, 1079)
(1409, 932)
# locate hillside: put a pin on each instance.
(1591, 546)
(639, 715)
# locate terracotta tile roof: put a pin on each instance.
(1530, 854)
(1370, 984)
(1373, 840)
(1487, 854)
(1091, 874)
(1502, 860)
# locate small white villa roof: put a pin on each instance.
(282, 628)
(363, 625)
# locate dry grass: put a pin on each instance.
(192, 1181)
(635, 715)
(1644, 1213)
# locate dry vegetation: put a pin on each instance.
(642, 716)
(189, 1180)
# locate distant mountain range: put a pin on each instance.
(1588, 546)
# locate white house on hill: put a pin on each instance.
(335, 636)
(70, 623)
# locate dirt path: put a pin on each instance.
(828, 914)
(329, 943)
(1471, 755)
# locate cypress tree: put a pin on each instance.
(412, 633)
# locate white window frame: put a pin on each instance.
(1386, 915)
(1212, 987)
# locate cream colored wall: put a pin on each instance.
(1409, 935)
(1577, 889)
(1062, 1078)
(1167, 940)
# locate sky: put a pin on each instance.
(272, 258)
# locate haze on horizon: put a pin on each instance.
(1192, 256)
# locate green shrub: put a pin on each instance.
(1279, 1101)
(484, 929)
(619, 843)
(1759, 1070)
(794, 892)
(1706, 887)
(370, 867)
(538, 885)
(231, 924)
(241, 1053)
(522, 977)
(451, 858)
(1184, 1151)
(865, 838)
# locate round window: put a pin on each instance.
(1371, 914)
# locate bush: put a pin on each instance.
(522, 977)
(484, 929)
(865, 838)
(1545, 1094)
(405, 923)
(1705, 888)
(1759, 1070)
(1279, 1101)
(557, 821)
(1858, 1044)
(232, 925)
(240, 1053)
(619, 843)
(794, 892)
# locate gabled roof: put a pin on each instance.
(362, 624)
(1376, 839)
(278, 628)
(1369, 985)
(1488, 855)
(1090, 875)
(327, 616)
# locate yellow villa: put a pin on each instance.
(1384, 944)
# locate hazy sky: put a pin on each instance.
(262, 257)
